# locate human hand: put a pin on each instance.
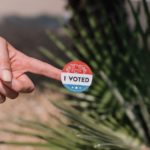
(13, 66)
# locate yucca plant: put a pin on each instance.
(118, 102)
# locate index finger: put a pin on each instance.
(42, 68)
(36, 66)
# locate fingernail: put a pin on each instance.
(6, 76)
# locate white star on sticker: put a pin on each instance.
(76, 87)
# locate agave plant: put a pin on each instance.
(118, 101)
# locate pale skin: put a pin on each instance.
(13, 66)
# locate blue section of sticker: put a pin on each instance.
(76, 88)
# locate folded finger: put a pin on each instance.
(23, 84)
(7, 92)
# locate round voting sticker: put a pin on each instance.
(76, 76)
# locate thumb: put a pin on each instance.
(42, 68)
(5, 68)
